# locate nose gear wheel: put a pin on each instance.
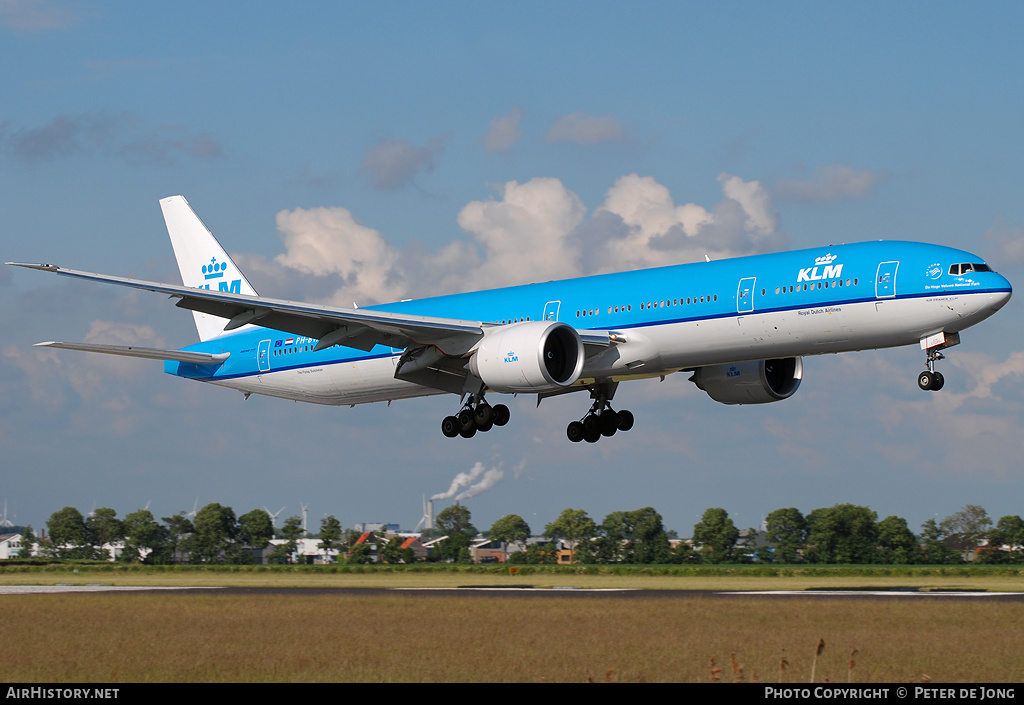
(930, 380)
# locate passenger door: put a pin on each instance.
(885, 280)
(551, 310)
(263, 356)
(745, 295)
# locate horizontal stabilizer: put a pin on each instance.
(149, 353)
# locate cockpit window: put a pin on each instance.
(968, 267)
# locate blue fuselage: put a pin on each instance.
(821, 300)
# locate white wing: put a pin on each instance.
(331, 325)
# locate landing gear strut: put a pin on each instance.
(930, 380)
(476, 415)
(601, 420)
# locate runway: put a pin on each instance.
(529, 592)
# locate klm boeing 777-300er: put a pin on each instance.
(739, 326)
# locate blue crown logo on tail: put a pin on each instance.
(214, 270)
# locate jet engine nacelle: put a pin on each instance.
(751, 382)
(533, 356)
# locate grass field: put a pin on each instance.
(174, 637)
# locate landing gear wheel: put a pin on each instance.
(602, 419)
(625, 420)
(483, 415)
(926, 381)
(939, 381)
(476, 416)
(450, 427)
(501, 414)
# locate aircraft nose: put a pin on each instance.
(1000, 297)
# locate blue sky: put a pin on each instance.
(357, 152)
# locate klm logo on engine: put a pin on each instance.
(511, 356)
(215, 270)
(828, 270)
(733, 372)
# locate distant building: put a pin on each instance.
(750, 541)
(373, 546)
(10, 546)
(375, 543)
(378, 527)
(306, 551)
(419, 551)
(487, 551)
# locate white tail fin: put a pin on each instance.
(203, 263)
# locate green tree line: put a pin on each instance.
(844, 533)
(213, 535)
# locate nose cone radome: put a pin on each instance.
(1000, 298)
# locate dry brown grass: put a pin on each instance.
(416, 637)
(398, 579)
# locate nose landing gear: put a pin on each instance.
(930, 380)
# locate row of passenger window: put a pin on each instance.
(583, 313)
(292, 350)
(297, 349)
(819, 285)
(649, 305)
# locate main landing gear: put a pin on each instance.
(601, 420)
(930, 380)
(476, 415)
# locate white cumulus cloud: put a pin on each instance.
(323, 241)
(530, 232)
(527, 235)
(753, 199)
(640, 225)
